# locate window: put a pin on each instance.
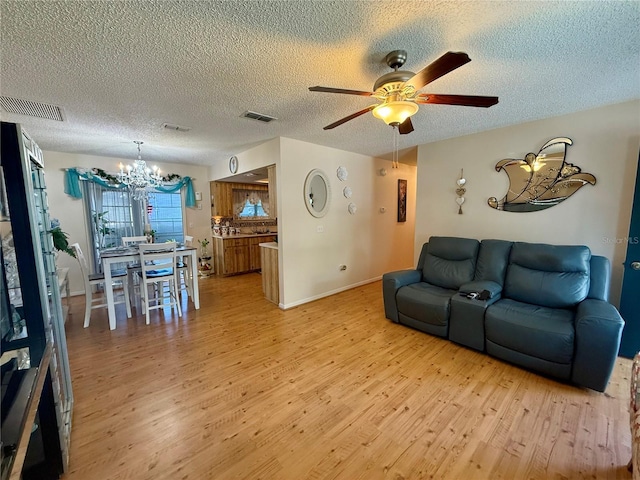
(250, 204)
(250, 210)
(113, 214)
(166, 216)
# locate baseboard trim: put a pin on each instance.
(328, 294)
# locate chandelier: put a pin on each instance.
(140, 178)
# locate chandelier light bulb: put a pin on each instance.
(139, 178)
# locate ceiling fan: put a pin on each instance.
(398, 91)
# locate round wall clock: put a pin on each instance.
(233, 164)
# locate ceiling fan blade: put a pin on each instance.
(464, 100)
(443, 65)
(350, 117)
(405, 127)
(340, 90)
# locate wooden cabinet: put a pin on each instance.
(270, 281)
(238, 255)
(221, 199)
(222, 196)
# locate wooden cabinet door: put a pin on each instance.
(230, 266)
(221, 199)
(254, 254)
(242, 259)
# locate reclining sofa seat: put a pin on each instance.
(553, 318)
(447, 263)
(547, 309)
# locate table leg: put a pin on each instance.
(195, 290)
(108, 288)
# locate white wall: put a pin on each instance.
(71, 214)
(370, 243)
(605, 143)
(267, 153)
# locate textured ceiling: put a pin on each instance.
(120, 69)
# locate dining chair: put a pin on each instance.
(158, 265)
(185, 270)
(133, 267)
(128, 241)
(92, 279)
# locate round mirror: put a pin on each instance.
(317, 193)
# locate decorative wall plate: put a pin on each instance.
(346, 191)
(352, 208)
(342, 173)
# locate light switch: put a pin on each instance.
(198, 196)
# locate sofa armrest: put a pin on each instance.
(391, 282)
(494, 289)
(598, 327)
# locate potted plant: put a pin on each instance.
(60, 238)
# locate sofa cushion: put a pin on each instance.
(450, 261)
(493, 259)
(425, 303)
(545, 333)
(548, 275)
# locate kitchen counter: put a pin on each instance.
(269, 245)
(234, 254)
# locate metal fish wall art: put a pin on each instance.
(540, 181)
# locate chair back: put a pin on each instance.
(188, 240)
(126, 241)
(84, 269)
(157, 259)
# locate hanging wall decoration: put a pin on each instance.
(460, 191)
(402, 200)
(540, 181)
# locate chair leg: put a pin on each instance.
(88, 299)
(176, 295)
(145, 299)
(186, 277)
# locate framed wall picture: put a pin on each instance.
(402, 200)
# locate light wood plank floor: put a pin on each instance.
(327, 390)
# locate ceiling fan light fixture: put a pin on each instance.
(395, 112)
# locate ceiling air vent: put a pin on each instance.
(32, 109)
(178, 128)
(258, 116)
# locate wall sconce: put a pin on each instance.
(460, 191)
(382, 172)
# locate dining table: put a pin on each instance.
(130, 254)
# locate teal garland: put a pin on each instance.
(99, 176)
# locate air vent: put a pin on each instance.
(258, 116)
(32, 109)
(178, 128)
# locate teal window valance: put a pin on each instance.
(72, 178)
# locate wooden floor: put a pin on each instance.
(327, 390)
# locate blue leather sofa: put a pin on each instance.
(543, 307)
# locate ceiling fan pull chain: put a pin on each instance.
(396, 142)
